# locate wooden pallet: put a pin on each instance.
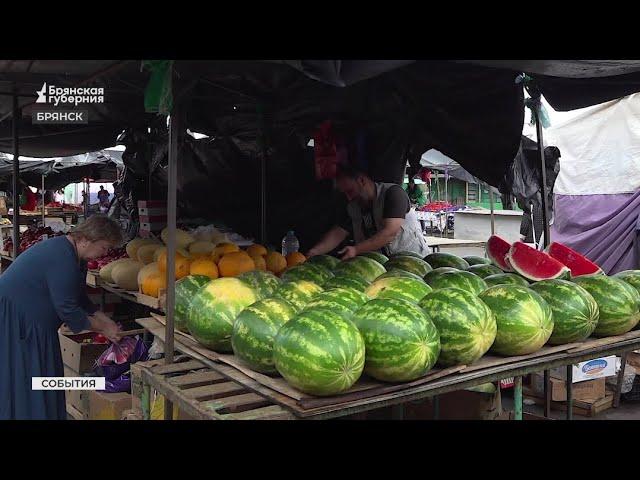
(584, 408)
(205, 394)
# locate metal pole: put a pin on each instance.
(16, 174)
(543, 189)
(517, 397)
(623, 364)
(174, 133)
(493, 220)
(569, 386)
(263, 179)
(43, 200)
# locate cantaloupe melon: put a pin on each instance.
(200, 249)
(161, 250)
(133, 246)
(125, 275)
(146, 252)
(107, 270)
(146, 271)
(183, 239)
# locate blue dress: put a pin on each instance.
(43, 288)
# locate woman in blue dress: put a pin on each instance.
(41, 290)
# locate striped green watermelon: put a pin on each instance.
(326, 261)
(307, 271)
(396, 272)
(441, 259)
(619, 303)
(401, 341)
(340, 300)
(298, 293)
(255, 330)
(377, 256)
(265, 283)
(398, 287)
(466, 324)
(186, 288)
(506, 279)
(215, 307)
(575, 312)
(362, 267)
(463, 280)
(484, 271)
(436, 272)
(406, 253)
(525, 320)
(319, 352)
(475, 260)
(632, 277)
(347, 281)
(410, 264)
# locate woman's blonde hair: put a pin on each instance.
(99, 227)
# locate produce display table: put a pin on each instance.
(367, 394)
(436, 242)
(135, 297)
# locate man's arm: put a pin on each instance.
(382, 238)
(331, 240)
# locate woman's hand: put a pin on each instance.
(104, 325)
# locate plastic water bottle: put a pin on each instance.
(290, 243)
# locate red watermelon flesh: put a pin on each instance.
(497, 249)
(534, 264)
(578, 264)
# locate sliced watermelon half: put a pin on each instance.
(534, 264)
(578, 264)
(497, 249)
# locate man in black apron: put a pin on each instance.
(378, 215)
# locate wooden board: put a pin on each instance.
(593, 343)
(494, 361)
(93, 278)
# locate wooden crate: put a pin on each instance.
(584, 408)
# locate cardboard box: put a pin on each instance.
(595, 368)
(108, 406)
(459, 405)
(77, 356)
(78, 399)
(585, 390)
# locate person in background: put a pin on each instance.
(416, 195)
(28, 200)
(103, 197)
(42, 289)
(377, 215)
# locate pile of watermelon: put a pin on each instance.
(325, 323)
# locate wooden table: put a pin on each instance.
(436, 242)
(370, 395)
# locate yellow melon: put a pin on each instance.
(107, 270)
(276, 263)
(146, 253)
(234, 263)
(146, 271)
(256, 250)
(133, 246)
(204, 266)
(125, 275)
(222, 249)
(260, 262)
(153, 283)
(183, 239)
(201, 249)
(295, 258)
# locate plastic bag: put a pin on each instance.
(111, 365)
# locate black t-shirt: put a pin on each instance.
(396, 205)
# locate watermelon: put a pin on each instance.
(441, 259)
(619, 303)
(186, 288)
(575, 312)
(401, 341)
(377, 256)
(467, 326)
(505, 279)
(632, 277)
(396, 272)
(578, 264)
(255, 330)
(307, 271)
(298, 293)
(406, 253)
(319, 352)
(215, 307)
(403, 288)
(475, 260)
(484, 270)
(524, 319)
(362, 267)
(463, 280)
(347, 281)
(497, 249)
(533, 264)
(340, 300)
(436, 272)
(264, 283)
(326, 261)
(409, 264)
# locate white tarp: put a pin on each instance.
(600, 149)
